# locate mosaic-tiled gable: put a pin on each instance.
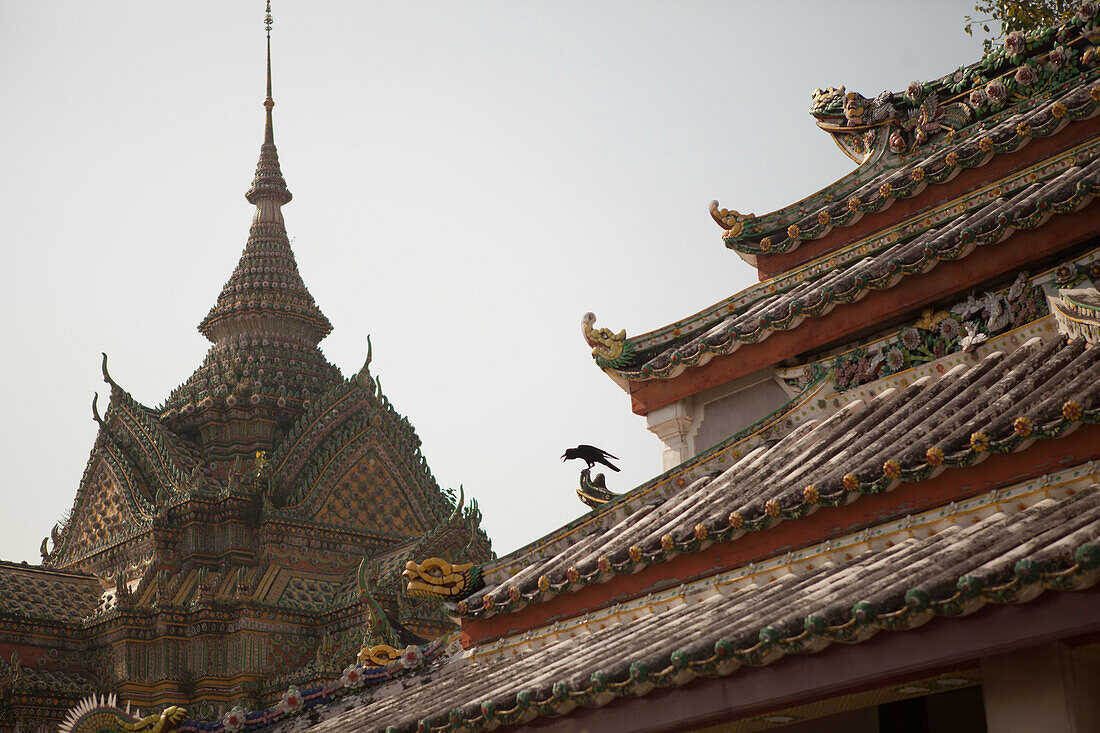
(213, 553)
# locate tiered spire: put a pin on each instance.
(265, 297)
(268, 185)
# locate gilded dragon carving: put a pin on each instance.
(437, 578)
(102, 714)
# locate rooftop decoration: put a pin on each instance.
(1078, 312)
(902, 138)
(103, 713)
(1024, 200)
(440, 578)
(608, 349)
(593, 489)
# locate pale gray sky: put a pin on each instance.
(469, 179)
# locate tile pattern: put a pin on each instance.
(1001, 403)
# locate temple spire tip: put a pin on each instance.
(269, 102)
(268, 191)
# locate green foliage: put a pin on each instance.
(1004, 16)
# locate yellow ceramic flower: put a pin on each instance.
(1072, 411)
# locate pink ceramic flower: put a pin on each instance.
(233, 721)
(291, 701)
(352, 678)
(1086, 11)
(412, 657)
(914, 91)
(996, 92)
(1014, 43)
(977, 97)
(1026, 76)
(1057, 57)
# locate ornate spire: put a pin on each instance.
(265, 297)
(268, 191)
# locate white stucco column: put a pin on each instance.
(673, 424)
(1049, 688)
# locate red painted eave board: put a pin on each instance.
(912, 293)
(770, 265)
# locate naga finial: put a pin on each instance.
(364, 371)
(438, 578)
(732, 221)
(106, 374)
(593, 490)
(608, 349)
(95, 409)
(821, 99)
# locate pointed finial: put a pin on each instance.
(269, 102)
(365, 370)
(268, 185)
(458, 504)
(106, 374)
(95, 409)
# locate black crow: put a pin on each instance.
(591, 455)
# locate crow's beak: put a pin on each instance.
(563, 456)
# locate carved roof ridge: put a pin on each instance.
(167, 456)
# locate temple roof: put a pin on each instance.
(1005, 547)
(32, 592)
(1025, 200)
(1028, 81)
(895, 431)
(265, 296)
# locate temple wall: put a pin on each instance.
(691, 425)
(1049, 688)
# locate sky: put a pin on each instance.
(469, 179)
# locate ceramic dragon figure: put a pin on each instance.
(437, 578)
(102, 714)
(733, 222)
(610, 350)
